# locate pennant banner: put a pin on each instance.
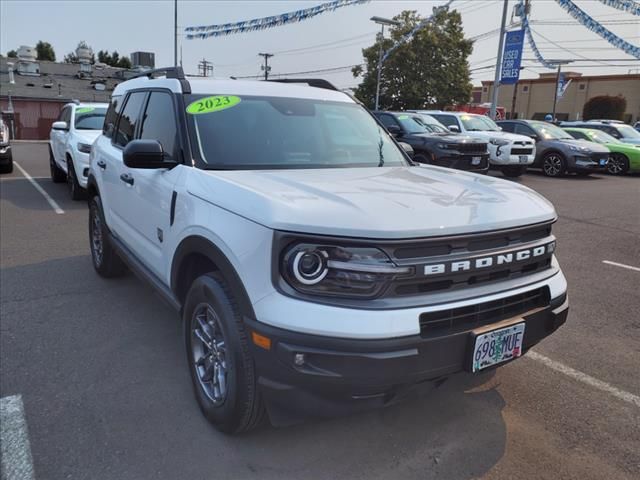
(629, 6)
(532, 42)
(594, 26)
(206, 31)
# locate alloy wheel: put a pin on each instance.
(616, 165)
(208, 352)
(552, 165)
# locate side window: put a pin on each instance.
(388, 120)
(61, 114)
(613, 132)
(111, 116)
(507, 126)
(447, 120)
(65, 115)
(159, 122)
(523, 130)
(129, 119)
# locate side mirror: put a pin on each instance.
(408, 149)
(454, 128)
(145, 154)
(534, 137)
(60, 126)
(394, 130)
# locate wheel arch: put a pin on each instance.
(92, 187)
(195, 256)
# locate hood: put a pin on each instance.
(565, 142)
(450, 138)
(630, 141)
(87, 136)
(386, 202)
(511, 137)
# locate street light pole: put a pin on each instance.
(175, 33)
(382, 22)
(496, 80)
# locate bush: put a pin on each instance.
(605, 107)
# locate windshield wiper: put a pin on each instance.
(380, 145)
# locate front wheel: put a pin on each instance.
(75, 190)
(618, 164)
(57, 174)
(105, 259)
(553, 165)
(220, 362)
(513, 171)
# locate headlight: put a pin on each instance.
(332, 270)
(441, 146)
(84, 147)
(576, 148)
(499, 142)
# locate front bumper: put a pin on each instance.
(593, 163)
(5, 153)
(339, 376)
(81, 166)
(461, 161)
(511, 155)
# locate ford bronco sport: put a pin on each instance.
(316, 268)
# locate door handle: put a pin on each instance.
(126, 178)
(102, 164)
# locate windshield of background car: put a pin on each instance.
(549, 131)
(479, 123)
(627, 131)
(601, 137)
(89, 118)
(411, 125)
(249, 132)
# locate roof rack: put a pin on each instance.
(169, 72)
(312, 82)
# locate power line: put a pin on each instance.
(335, 42)
(322, 70)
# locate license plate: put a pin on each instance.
(603, 162)
(497, 346)
(476, 160)
(523, 159)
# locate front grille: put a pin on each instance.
(446, 322)
(468, 147)
(521, 151)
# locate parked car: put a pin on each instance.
(558, 152)
(637, 126)
(508, 152)
(72, 134)
(317, 270)
(618, 130)
(624, 158)
(433, 144)
(6, 157)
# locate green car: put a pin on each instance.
(625, 158)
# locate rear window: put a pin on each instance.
(286, 133)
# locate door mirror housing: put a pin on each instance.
(60, 126)
(454, 128)
(408, 149)
(145, 154)
(394, 130)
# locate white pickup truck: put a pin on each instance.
(317, 269)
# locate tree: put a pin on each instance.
(45, 51)
(605, 106)
(114, 59)
(430, 70)
(12, 54)
(70, 57)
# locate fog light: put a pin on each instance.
(298, 359)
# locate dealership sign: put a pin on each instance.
(512, 57)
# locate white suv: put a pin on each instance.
(509, 152)
(317, 270)
(70, 139)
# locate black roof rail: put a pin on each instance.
(168, 72)
(312, 82)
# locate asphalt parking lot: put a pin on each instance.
(99, 366)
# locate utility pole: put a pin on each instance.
(382, 22)
(175, 33)
(205, 68)
(496, 80)
(266, 66)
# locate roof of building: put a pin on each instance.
(60, 81)
(551, 77)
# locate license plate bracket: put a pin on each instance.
(523, 159)
(476, 160)
(495, 344)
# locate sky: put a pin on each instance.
(330, 41)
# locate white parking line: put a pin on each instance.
(584, 378)
(621, 265)
(52, 202)
(16, 462)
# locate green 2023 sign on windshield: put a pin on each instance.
(212, 104)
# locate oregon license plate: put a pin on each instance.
(497, 346)
(476, 160)
(523, 158)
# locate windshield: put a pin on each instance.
(601, 137)
(411, 124)
(549, 131)
(248, 132)
(431, 124)
(89, 118)
(628, 132)
(479, 123)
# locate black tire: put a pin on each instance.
(8, 168)
(105, 259)
(57, 175)
(513, 171)
(240, 408)
(75, 190)
(554, 165)
(618, 164)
